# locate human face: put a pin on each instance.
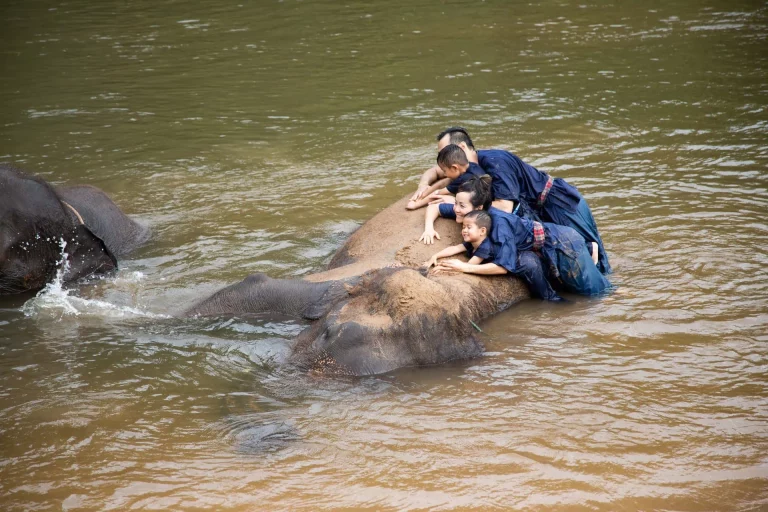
(471, 232)
(451, 172)
(463, 205)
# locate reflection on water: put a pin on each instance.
(258, 138)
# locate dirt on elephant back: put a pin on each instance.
(390, 238)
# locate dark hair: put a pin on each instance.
(458, 135)
(479, 189)
(481, 218)
(452, 155)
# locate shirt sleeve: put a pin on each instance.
(506, 256)
(453, 186)
(504, 243)
(484, 251)
(469, 248)
(446, 211)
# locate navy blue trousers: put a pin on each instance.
(532, 272)
(583, 222)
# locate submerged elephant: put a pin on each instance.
(41, 224)
(373, 310)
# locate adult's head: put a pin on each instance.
(455, 135)
(474, 194)
(453, 161)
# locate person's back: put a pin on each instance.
(563, 249)
(523, 181)
(554, 199)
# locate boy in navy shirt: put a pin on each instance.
(453, 162)
(474, 231)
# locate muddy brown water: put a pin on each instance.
(257, 136)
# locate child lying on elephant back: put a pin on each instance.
(453, 162)
(499, 244)
(474, 230)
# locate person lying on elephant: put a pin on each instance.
(556, 200)
(426, 192)
(563, 252)
(474, 194)
(474, 232)
(454, 164)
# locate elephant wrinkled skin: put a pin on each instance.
(373, 310)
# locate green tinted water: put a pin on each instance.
(256, 136)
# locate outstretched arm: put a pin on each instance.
(448, 251)
(430, 176)
(473, 266)
(428, 196)
(429, 235)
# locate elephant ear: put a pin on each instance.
(88, 254)
(318, 307)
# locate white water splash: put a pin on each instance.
(54, 301)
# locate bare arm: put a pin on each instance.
(426, 198)
(503, 205)
(429, 235)
(430, 176)
(448, 251)
(483, 269)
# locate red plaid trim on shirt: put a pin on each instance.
(538, 235)
(543, 195)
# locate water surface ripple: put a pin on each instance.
(257, 138)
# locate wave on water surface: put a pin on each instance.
(55, 301)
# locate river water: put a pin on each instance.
(257, 136)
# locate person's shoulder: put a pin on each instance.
(493, 153)
(446, 210)
(474, 170)
(485, 250)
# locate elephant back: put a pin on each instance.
(391, 238)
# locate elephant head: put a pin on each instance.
(42, 234)
(373, 311)
(385, 319)
(397, 317)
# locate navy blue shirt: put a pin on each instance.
(516, 180)
(472, 171)
(491, 249)
(485, 251)
(510, 235)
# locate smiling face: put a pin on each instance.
(463, 205)
(471, 232)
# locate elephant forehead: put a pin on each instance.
(397, 295)
(355, 311)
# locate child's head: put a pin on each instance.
(453, 161)
(475, 227)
